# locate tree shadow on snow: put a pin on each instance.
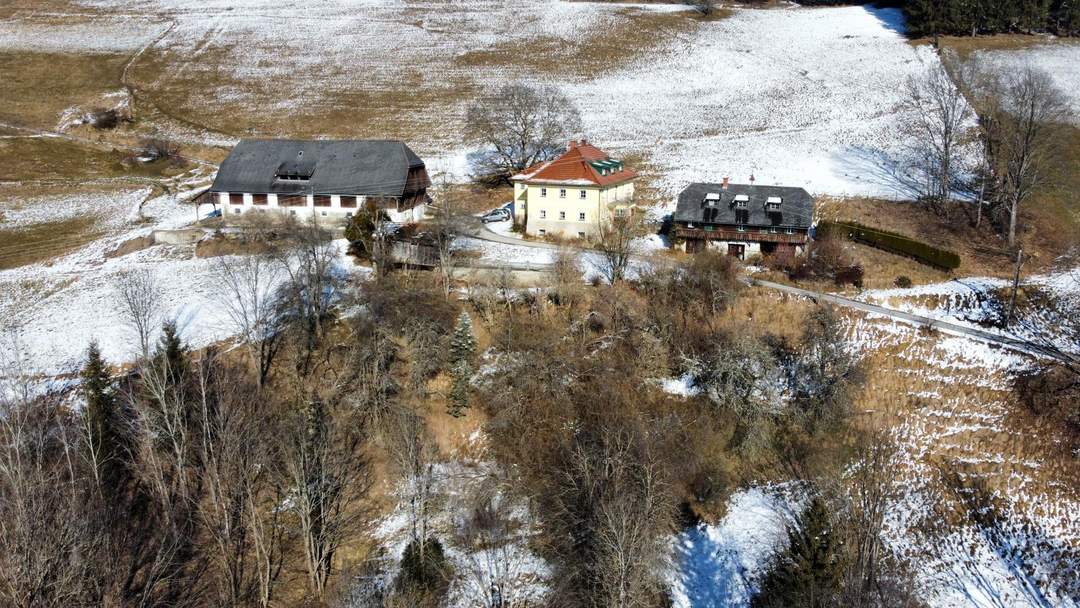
(891, 18)
(898, 176)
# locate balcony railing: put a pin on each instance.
(729, 234)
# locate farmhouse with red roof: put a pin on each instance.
(570, 196)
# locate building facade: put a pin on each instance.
(325, 180)
(572, 195)
(742, 219)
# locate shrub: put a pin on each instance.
(154, 148)
(849, 275)
(103, 119)
(424, 572)
(891, 242)
(902, 282)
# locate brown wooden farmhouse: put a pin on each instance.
(742, 219)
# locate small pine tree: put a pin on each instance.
(103, 421)
(172, 355)
(462, 354)
(460, 375)
(809, 573)
(463, 342)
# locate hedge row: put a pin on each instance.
(891, 242)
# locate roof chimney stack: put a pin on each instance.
(751, 179)
(725, 184)
(571, 145)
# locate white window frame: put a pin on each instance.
(543, 214)
(583, 194)
(562, 216)
(581, 216)
(542, 232)
(543, 192)
(562, 192)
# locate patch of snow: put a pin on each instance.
(719, 566)
(1060, 59)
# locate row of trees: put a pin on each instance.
(931, 18)
(1017, 118)
(974, 17)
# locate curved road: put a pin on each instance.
(481, 232)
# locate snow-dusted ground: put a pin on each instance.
(1060, 59)
(955, 416)
(803, 97)
(980, 303)
(718, 566)
(52, 311)
(522, 573)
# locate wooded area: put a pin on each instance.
(974, 17)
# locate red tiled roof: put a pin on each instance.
(574, 167)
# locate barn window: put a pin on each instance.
(349, 202)
(258, 199)
(322, 200)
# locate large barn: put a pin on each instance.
(328, 179)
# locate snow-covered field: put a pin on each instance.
(802, 97)
(1060, 59)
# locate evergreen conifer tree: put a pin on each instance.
(809, 573)
(103, 423)
(462, 354)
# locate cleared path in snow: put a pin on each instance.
(1016, 344)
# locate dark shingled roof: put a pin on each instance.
(361, 167)
(796, 208)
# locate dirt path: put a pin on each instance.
(481, 232)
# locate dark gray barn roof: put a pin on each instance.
(796, 206)
(362, 167)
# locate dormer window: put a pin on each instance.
(712, 199)
(740, 201)
(772, 204)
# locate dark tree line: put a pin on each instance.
(975, 17)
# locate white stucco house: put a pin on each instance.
(322, 180)
(570, 196)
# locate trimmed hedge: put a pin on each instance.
(891, 242)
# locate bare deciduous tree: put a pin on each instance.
(940, 114)
(449, 222)
(141, 305)
(240, 511)
(247, 291)
(615, 242)
(495, 557)
(326, 467)
(1019, 113)
(518, 126)
(46, 544)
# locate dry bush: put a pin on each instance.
(1052, 393)
(104, 119)
(153, 149)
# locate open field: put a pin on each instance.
(812, 102)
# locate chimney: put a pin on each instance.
(583, 142)
(724, 185)
(571, 145)
(751, 179)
